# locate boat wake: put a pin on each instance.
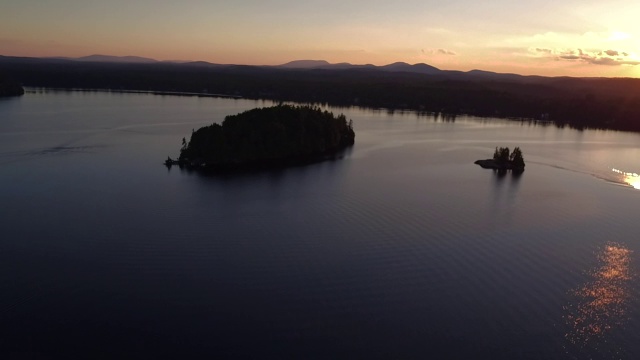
(610, 175)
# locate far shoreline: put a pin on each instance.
(33, 89)
(445, 116)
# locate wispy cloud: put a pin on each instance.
(446, 52)
(438, 52)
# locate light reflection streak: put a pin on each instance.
(601, 303)
(632, 179)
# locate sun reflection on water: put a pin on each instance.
(601, 303)
(629, 178)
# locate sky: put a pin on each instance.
(534, 37)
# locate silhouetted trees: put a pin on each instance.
(516, 158)
(501, 154)
(503, 160)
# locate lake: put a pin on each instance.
(402, 249)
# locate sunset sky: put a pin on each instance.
(543, 37)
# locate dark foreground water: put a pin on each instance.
(404, 249)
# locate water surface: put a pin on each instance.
(402, 249)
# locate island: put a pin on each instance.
(10, 88)
(267, 137)
(503, 160)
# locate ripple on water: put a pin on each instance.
(600, 306)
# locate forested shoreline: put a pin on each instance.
(602, 103)
(9, 87)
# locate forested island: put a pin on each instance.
(503, 160)
(10, 88)
(602, 103)
(267, 137)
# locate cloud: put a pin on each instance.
(446, 52)
(602, 61)
(596, 57)
(611, 61)
(438, 52)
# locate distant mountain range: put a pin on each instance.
(301, 65)
(122, 59)
(109, 58)
(419, 68)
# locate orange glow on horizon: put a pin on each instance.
(581, 39)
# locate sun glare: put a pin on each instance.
(601, 303)
(632, 179)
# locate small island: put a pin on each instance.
(10, 88)
(503, 160)
(268, 137)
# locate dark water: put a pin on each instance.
(404, 249)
